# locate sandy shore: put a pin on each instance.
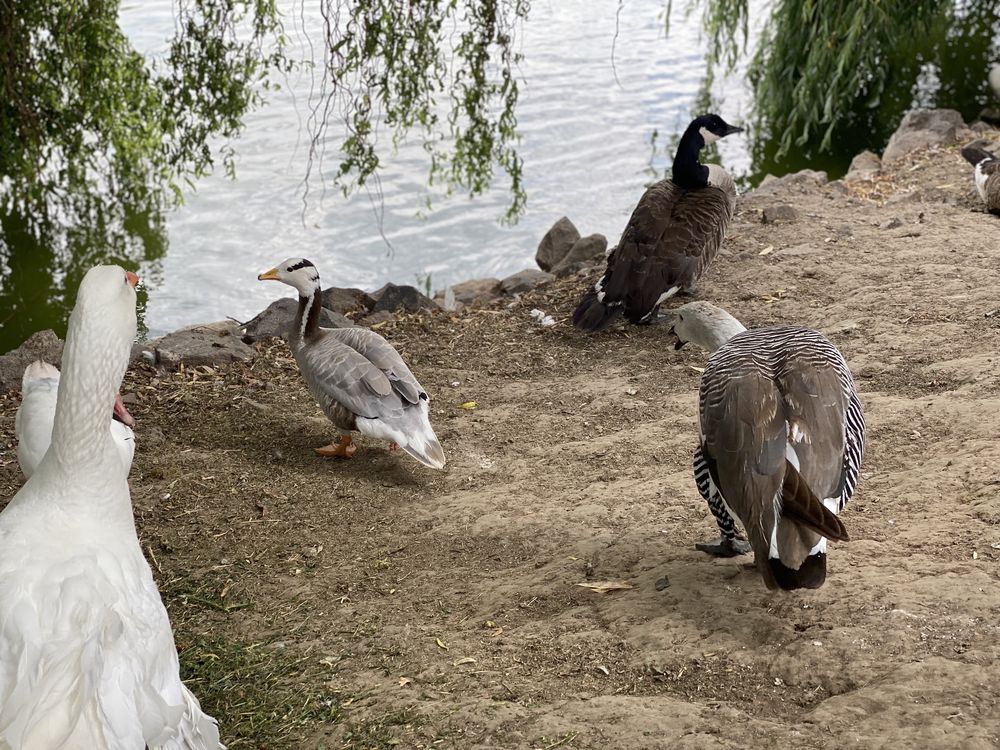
(374, 603)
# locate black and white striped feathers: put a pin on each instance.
(987, 175)
(673, 234)
(782, 438)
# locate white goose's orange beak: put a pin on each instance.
(271, 275)
(120, 413)
(132, 279)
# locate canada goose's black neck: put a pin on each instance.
(688, 172)
(306, 324)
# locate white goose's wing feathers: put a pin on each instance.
(87, 658)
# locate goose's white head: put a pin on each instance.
(105, 308)
(297, 272)
(704, 324)
(98, 342)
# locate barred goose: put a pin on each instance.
(987, 176)
(359, 380)
(673, 234)
(35, 415)
(88, 656)
(782, 435)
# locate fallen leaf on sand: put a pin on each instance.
(404, 681)
(465, 660)
(603, 587)
(440, 644)
(697, 369)
(467, 405)
(766, 250)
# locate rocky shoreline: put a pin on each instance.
(562, 252)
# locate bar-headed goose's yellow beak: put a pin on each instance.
(271, 275)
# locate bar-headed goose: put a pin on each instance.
(987, 176)
(88, 656)
(359, 380)
(782, 435)
(674, 233)
(35, 415)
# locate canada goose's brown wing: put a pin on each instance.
(672, 236)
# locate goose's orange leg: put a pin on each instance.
(343, 449)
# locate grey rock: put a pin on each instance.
(345, 300)
(41, 345)
(211, 344)
(837, 186)
(864, 166)
(523, 281)
(395, 297)
(803, 180)
(584, 252)
(921, 128)
(781, 212)
(477, 291)
(276, 321)
(892, 223)
(556, 243)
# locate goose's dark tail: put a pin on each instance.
(974, 155)
(592, 315)
(802, 507)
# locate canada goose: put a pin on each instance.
(88, 653)
(782, 435)
(359, 380)
(36, 414)
(987, 176)
(673, 234)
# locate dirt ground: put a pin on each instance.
(374, 603)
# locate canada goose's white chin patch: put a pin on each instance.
(708, 135)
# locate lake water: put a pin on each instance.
(585, 145)
(585, 123)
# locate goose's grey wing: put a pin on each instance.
(382, 355)
(672, 236)
(338, 374)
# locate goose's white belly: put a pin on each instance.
(87, 657)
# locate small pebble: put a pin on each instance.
(662, 583)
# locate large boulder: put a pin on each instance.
(556, 243)
(863, 167)
(797, 182)
(41, 345)
(523, 281)
(585, 251)
(921, 128)
(348, 300)
(395, 298)
(277, 318)
(211, 344)
(477, 291)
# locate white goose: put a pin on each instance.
(87, 656)
(35, 415)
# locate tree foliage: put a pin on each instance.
(826, 74)
(443, 71)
